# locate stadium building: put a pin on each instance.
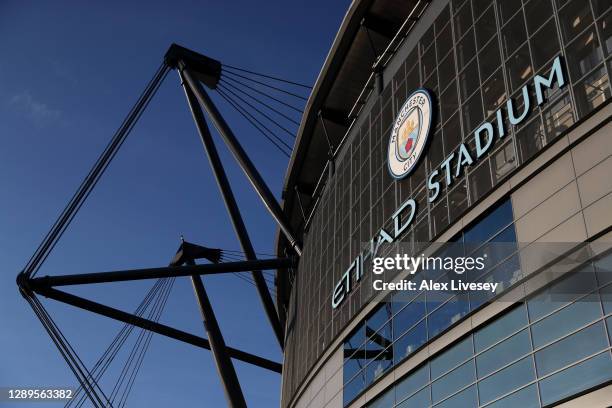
(464, 121)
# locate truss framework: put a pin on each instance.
(194, 70)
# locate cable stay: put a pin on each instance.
(267, 76)
(241, 99)
(223, 80)
(158, 294)
(243, 109)
(84, 377)
(113, 349)
(259, 101)
(276, 88)
(65, 218)
(245, 115)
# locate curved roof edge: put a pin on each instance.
(331, 66)
(368, 27)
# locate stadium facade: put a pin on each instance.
(513, 100)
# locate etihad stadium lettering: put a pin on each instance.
(452, 167)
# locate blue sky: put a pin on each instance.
(69, 72)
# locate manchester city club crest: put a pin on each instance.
(409, 134)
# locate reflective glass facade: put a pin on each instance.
(408, 320)
(551, 347)
(473, 55)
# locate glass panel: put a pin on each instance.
(439, 216)
(463, 20)
(562, 292)
(503, 353)
(504, 161)
(600, 6)
(519, 68)
(506, 380)
(420, 399)
(448, 314)
(413, 382)
(379, 365)
(505, 274)
(452, 134)
(409, 315)
(353, 353)
(493, 93)
(380, 317)
(384, 401)
(468, 81)
(480, 6)
(480, 180)
(592, 91)
(428, 61)
(525, 398)
(413, 79)
(544, 45)
(530, 139)
(466, 49)
(499, 218)
(577, 378)
(583, 54)
(353, 388)
(472, 113)
(457, 200)
(507, 8)
(536, 13)
(574, 18)
(427, 38)
(437, 298)
(403, 297)
(489, 59)
(357, 339)
(514, 33)
(605, 30)
(558, 117)
(450, 358)
(466, 398)
(446, 70)
(606, 298)
(442, 19)
(566, 320)
(353, 364)
(444, 42)
(449, 102)
(486, 28)
(411, 341)
(453, 381)
(572, 348)
(603, 266)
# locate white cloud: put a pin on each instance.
(39, 112)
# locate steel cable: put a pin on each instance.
(266, 85)
(73, 206)
(268, 76)
(241, 99)
(253, 124)
(280, 101)
(259, 101)
(113, 349)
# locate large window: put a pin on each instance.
(408, 320)
(552, 346)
